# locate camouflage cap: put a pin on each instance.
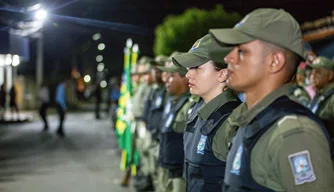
(203, 50)
(174, 68)
(322, 62)
(271, 25)
(161, 59)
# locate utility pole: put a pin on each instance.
(40, 58)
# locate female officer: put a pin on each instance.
(208, 134)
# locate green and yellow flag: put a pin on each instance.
(123, 123)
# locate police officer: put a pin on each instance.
(280, 145)
(175, 115)
(298, 90)
(207, 133)
(144, 180)
(322, 78)
(153, 116)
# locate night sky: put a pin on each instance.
(71, 24)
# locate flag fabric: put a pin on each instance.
(124, 122)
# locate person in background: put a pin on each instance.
(13, 104)
(3, 96)
(44, 100)
(61, 106)
(323, 80)
(98, 100)
(310, 56)
(298, 88)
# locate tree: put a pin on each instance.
(179, 32)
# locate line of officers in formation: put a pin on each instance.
(194, 134)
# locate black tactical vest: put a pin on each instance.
(203, 171)
(154, 115)
(147, 103)
(171, 154)
(238, 177)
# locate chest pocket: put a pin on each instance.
(193, 116)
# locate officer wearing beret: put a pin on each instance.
(280, 145)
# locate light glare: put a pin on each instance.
(87, 78)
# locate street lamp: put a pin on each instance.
(96, 36)
(8, 60)
(41, 14)
(99, 58)
(100, 67)
(103, 84)
(101, 46)
(87, 78)
(16, 60)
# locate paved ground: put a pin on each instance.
(86, 160)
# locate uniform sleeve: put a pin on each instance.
(182, 117)
(222, 140)
(302, 161)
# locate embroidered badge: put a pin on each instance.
(196, 44)
(237, 162)
(302, 167)
(201, 145)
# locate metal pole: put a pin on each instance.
(39, 67)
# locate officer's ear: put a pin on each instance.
(223, 75)
(331, 76)
(278, 61)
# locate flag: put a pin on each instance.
(123, 123)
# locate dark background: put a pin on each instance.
(71, 24)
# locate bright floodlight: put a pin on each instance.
(87, 78)
(2, 60)
(103, 84)
(41, 14)
(129, 43)
(16, 60)
(8, 60)
(100, 67)
(135, 48)
(99, 58)
(96, 36)
(101, 46)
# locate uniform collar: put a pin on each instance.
(176, 99)
(215, 103)
(241, 116)
(327, 89)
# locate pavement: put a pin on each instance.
(85, 160)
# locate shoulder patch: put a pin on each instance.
(302, 168)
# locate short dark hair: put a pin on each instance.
(219, 65)
(293, 60)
